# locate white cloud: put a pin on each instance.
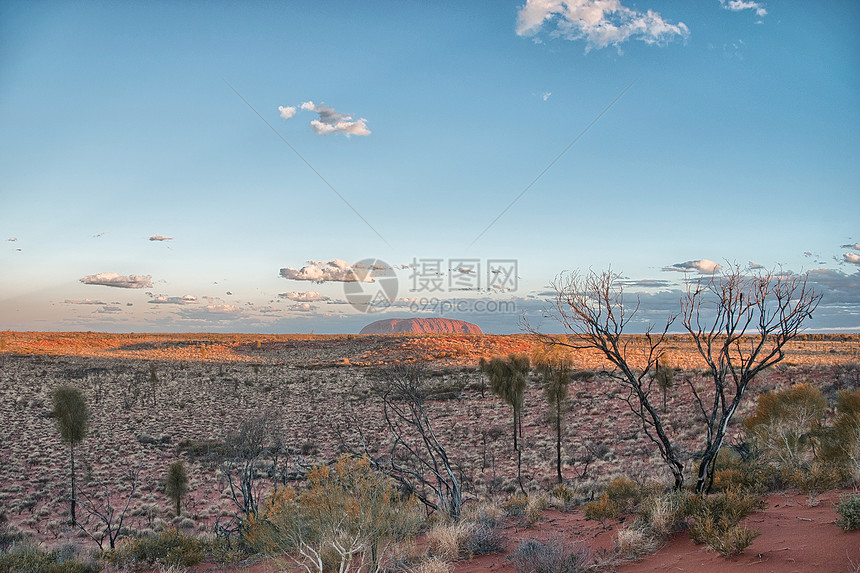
(109, 310)
(599, 22)
(287, 112)
(160, 238)
(12, 239)
(738, 5)
(309, 296)
(545, 96)
(755, 266)
(703, 266)
(335, 270)
(852, 258)
(302, 307)
(84, 301)
(855, 246)
(331, 121)
(223, 309)
(161, 299)
(118, 281)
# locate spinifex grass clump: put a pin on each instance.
(849, 512)
(622, 494)
(556, 555)
(717, 520)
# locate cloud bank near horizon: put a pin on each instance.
(117, 280)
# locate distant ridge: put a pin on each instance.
(421, 325)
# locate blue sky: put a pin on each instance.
(140, 190)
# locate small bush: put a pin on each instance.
(554, 556)
(564, 493)
(731, 470)
(621, 495)
(717, 521)
(601, 509)
(785, 425)
(349, 502)
(487, 537)
(449, 541)
(633, 542)
(624, 492)
(168, 547)
(664, 514)
(841, 442)
(432, 565)
(29, 558)
(516, 505)
(849, 512)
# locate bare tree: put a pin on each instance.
(416, 459)
(740, 325)
(244, 461)
(591, 306)
(108, 518)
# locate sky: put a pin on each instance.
(313, 167)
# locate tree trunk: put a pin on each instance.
(72, 457)
(558, 441)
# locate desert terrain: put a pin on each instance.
(158, 398)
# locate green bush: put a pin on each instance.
(349, 503)
(731, 470)
(717, 520)
(168, 547)
(29, 558)
(516, 505)
(840, 446)
(786, 426)
(849, 512)
(621, 495)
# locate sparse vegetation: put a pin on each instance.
(200, 403)
(849, 512)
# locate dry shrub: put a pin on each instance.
(536, 504)
(564, 495)
(841, 443)
(432, 565)
(169, 547)
(516, 505)
(717, 520)
(664, 515)
(449, 541)
(634, 542)
(849, 512)
(784, 427)
(556, 555)
(487, 537)
(349, 505)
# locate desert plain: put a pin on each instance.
(158, 398)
